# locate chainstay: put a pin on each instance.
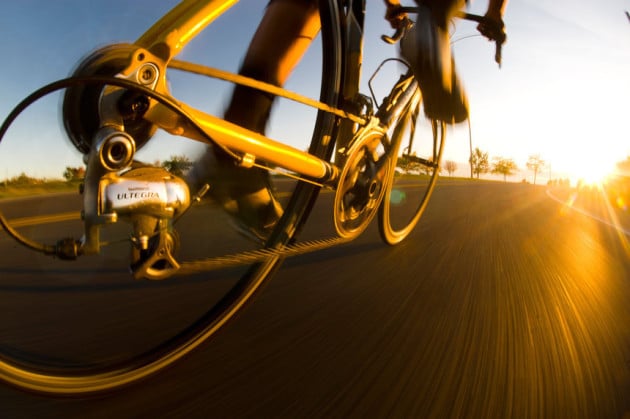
(260, 255)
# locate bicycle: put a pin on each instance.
(118, 98)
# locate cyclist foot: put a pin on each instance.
(254, 215)
(427, 49)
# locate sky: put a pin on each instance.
(561, 93)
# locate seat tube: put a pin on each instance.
(168, 36)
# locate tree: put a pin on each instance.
(429, 167)
(409, 163)
(450, 166)
(535, 163)
(23, 179)
(505, 167)
(479, 162)
(177, 165)
(74, 173)
(403, 163)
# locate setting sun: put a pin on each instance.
(595, 177)
(584, 169)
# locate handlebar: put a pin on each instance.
(492, 29)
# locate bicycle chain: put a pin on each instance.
(260, 255)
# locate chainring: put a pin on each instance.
(361, 184)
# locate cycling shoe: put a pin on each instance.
(426, 47)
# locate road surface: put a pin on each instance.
(503, 303)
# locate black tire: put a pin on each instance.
(82, 379)
(407, 195)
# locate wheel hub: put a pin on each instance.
(80, 108)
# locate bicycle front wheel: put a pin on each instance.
(418, 143)
(65, 356)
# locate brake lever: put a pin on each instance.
(497, 52)
(499, 40)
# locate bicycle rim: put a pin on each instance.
(419, 143)
(56, 378)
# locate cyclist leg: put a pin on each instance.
(283, 36)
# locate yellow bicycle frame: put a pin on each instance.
(163, 41)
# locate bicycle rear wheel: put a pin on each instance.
(59, 375)
(419, 143)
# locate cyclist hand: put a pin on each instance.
(493, 28)
(394, 14)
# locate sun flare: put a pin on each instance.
(592, 175)
(595, 177)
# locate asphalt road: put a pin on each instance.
(503, 303)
